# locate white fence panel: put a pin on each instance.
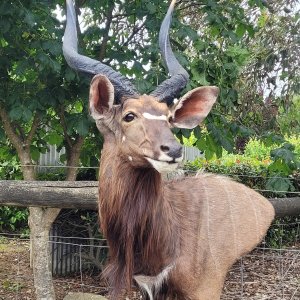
(50, 158)
(191, 153)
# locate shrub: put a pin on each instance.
(13, 219)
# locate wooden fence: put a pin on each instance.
(84, 195)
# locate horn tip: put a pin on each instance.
(172, 5)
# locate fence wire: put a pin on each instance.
(264, 274)
(270, 272)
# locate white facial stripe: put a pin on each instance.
(162, 166)
(153, 117)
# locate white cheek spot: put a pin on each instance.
(130, 158)
(153, 117)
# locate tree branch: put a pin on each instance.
(106, 32)
(64, 125)
(9, 129)
(73, 158)
(34, 126)
(135, 30)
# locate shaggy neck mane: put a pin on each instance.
(136, 221)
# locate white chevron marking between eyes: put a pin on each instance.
(153, 117)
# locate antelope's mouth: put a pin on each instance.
(164, 166)
(169, 161)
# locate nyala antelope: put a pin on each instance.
(174, 239)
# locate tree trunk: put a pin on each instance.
(40, 221)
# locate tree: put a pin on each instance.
(34, 79)
(223, 43)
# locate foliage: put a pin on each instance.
(215, 43)
(289, 118)
(278, 173)
(284, 232)
(9, 164)
(13, 219)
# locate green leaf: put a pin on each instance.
(54, 47)
(70, 75)
(285, 153)
(78, 107)
(27, 114)
(279, 166)
(279, 184)
(3, 43)
(16, 113)
(197, 132)
(214, 31)
(200, 78)
(35, 153)
(263, 19)
(186, 133)
(151, 7)
(82, 126)
(201, 144)
(63, 158)
(29, 19)
(53, 138)
(240, 30)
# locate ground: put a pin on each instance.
(264, 274)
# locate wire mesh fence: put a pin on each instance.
(266, 273)
(271, 271)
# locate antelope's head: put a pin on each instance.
(140, 125)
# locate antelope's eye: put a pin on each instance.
(129, 117)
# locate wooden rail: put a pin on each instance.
(84, 194)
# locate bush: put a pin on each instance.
(13, 219)
(269, 168)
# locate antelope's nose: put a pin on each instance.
(174, 151)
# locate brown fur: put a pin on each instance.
(176, 239)
(150, 224)
(133, 213)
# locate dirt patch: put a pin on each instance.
(263, 274)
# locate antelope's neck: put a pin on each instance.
(135, 217)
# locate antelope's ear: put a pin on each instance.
(101, 96)
(194, 106)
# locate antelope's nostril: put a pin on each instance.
(165, 148)
(175, 152)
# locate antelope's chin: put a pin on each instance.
(162, 166)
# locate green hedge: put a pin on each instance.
(258, 167)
